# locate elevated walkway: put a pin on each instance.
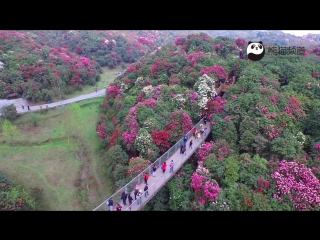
(156, 183)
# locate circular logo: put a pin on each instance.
(255, 51)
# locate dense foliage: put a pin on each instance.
(264, 148)
(13, 198)
(40, 64)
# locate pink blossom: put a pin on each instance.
(297, 181)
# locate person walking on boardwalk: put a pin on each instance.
(198, 135)
(22, 107)
(130, 200)
(171, 166)
(118, 207)
(202, 131)
(181, 147)
(194, 132)
(154, 170)
(110, 204)
(136, 191)
(146, 193)
(205, 119)
(139, 196)
(124, 197)
(190, 144)
(205, 132)
(164, 167)
(184, 151)
(185, 139)
(146, 177)
(29, 108)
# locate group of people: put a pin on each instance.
(27, 106)
(198, 133)
(137, 191)
(127, 196)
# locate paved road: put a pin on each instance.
(19, 102)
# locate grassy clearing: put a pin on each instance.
(107, 77)
(43, 159)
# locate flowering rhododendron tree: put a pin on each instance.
(133, 127)
(272, 131)
(294, 107)
(205, 87)
(114, 90)
(262, 185)
(147, 91)
(156, 93)
(194, 97)
(158, 66)
(195, 57)
(144, 40)
(241, 42)
(218, 71)
(204, 151)
(222, 149)
(205, 188)
(85, 61)
(216, 105)
(102, 130)
(179, 101)
(314, 75)
(179, 41)
(143, 142)
(137, 165)
(179, 123)
(131, 68)
(161, 139)
(298, 183)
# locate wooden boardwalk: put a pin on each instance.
(156, 183)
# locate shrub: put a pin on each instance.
(9, 112)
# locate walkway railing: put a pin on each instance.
(139, 179)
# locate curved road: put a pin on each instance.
(19, 102)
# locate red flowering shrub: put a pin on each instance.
(218, 71)
(204, 187)
(137, 165)
(161, 139)
(114, 89)
(216, 105)
(179, 41)
(222, 149)
(102, 130)
(204, 151)
(241, 42)
(179, 124)
(294, 107)
(262, 185)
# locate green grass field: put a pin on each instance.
(43, 159)
(106, 78)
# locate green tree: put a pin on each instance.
(9, 112)
(10, 131)
(232, 168)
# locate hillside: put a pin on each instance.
(263, 151)
(40, 64)
(268, 37)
